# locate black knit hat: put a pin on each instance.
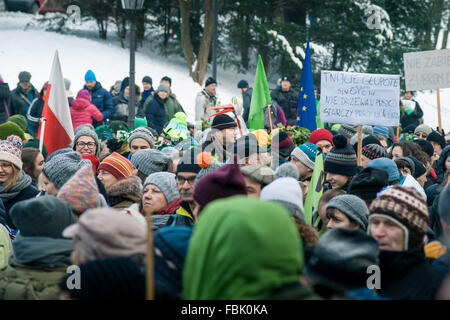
(425, 145)
(209, 81)
(242, 84)
(438, 138)
(373, 151)
(188, 162)
(283, 143)
(367, 183)
(341, 159)
(147, 79)
(45, 216)
(223, 121)
(166, 78)
(419, 168)
(246, 145)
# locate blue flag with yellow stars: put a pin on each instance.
(306, 116)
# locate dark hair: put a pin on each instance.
(28, 158)
(332, 211)
(402, 163)
(330, 194)
(166, 78)
(409, 148)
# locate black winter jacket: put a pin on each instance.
(288, 100)
(156, 114)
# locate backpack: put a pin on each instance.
(5, 247)
(273, 116)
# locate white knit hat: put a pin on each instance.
(11, 150)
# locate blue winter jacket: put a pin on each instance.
(102, 100)
(156, 114)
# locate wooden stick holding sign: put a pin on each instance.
(398, 133)
(150, 287)
(269, 109)
(359, 144)
(439, 111)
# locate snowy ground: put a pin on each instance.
(33, 50)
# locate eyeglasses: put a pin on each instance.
(181, 180)
(90, 145)
(5, 166)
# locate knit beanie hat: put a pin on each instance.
(374, 151)
(347, 131)
(209, 81)
(283, 143)
(188, 162)
(438, 138)
(170, 247)
(59, 151)
(45, 216)
(353, 207)
(20, 120)
(94, 161)
(142, 133)
(104, 232)
(24, 77)
(285, 189)
(147, 79)
(61, 167)
(242, 84)
(89, 76)
(149, 161)
(11, 151)
(34, 143)
(287, 169)
(166, 78)
(166, 182)
(341, 258)
(246, 146)
(387, 165)
(382, 131)
(86, 130)
(368, 182)
(407, 208)
(116, 164)
(81, 192)
(341, 159)
(366, 131)
(320, 134)
(409, 161)
(306, 154)
(223, 121)
(259, 173)
(11, 129)
(84, 94)
(423, 128)
(224, 182)
(163, 87)
(425, 145)
(419, 168)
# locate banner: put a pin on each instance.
(360, 98)
(427, 69)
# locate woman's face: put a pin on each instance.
(49, 188)
(86, 145)
(6, 171)
(397, 152)
(447, 163)
(153, 198)
(38, 165)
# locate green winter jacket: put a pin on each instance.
(21, 282)
(171, 106)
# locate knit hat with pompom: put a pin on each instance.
(11, 150)
(342, 158)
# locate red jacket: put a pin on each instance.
(84, 112)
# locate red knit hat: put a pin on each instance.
(119, 166)
(320, 134)
(93, 159)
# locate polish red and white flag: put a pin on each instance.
(58, 130)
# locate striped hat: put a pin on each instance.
(11, 150)
(374, 151)
(382, 131)
(306, 154)
(407, 208)
(347, 130)
(119, 166)
(341, 159)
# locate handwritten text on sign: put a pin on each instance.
(427, 69)
(359, 98)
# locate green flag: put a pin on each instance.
(260, 98)
(314, 194)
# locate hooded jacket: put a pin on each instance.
(102, 100)
(125, 192)
(84, 112)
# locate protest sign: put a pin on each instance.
(360, 98)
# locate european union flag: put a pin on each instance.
(306, 116)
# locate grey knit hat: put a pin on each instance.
(163, 87)
(287, 169)
(260, 173)
(24, 77)
(86, 130)
(63, 166)
(353, 207)
(213, 166)
(347, 130)
(149, 161)
(143, 133)
(166, 182)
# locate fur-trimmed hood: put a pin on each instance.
(127, 189)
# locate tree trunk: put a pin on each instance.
(186, 43)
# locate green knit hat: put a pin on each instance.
(20, 120)
(10, 128)
(34, 143)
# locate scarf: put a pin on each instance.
(42, 251)
(23, 182)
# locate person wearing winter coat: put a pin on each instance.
(7, 102)
(147, 85)
(40, 253)
(410, 111)
(100, 97)
(287, 98)
(15, 184)
(398, 220)
(205, 99)
(155, 112)
(172, 105)
(246, 98)
(120, 102)
(34, 113)
(24, 94)
(218, 269)
(83, 111)
(33, 163)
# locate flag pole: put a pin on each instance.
(41, 136)
(359, 144)
(150, 289)
(270, 117)
(439, 110)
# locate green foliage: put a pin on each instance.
(298, 134)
